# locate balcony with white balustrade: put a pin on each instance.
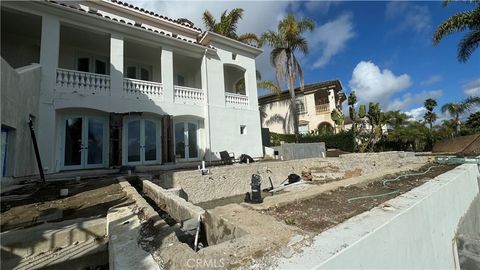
(235, 88)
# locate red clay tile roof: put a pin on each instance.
(127, 23)
(188, 24)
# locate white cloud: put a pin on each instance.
(431, 80)
(472, 88)
(258, 17)
(416, 113)
(320, 7)
(374, 85)
(410, 16)
(331, 38)
(409, 99)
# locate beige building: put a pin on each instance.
(314, 106)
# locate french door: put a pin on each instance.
(142, 141)
(186, 141)
(84, 141)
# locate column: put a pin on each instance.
(45, 121)
(167, 74)
(116, 64)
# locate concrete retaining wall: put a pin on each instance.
(176, 207)
(413, 231)
(18, 244)
(290, 151)
(225, 181)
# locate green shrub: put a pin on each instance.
(342, 140)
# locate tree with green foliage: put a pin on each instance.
(467, 20)
(338, 118)
(394, 119)
(352, 100)
(430, 116)
(456, 110)
(473, 122)
(227, 26)
(286, 42)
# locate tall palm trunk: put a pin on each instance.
(457, 123)
(293, 110)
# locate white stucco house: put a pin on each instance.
(314, 107)
(114, 84)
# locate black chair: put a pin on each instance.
(227, 158)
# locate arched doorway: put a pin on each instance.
(325, 128)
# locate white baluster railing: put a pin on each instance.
(82, 81)
(236, 100)
(187, 94)
(139, 87)
(322, 108)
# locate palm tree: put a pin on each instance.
(227, 26)
(395, 119)
(285, 43)
(459, 22)
(430, 116)
(457, 109)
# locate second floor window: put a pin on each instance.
(300, 105)
(92, 64)
(139, 72)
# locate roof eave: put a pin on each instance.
(209, 36)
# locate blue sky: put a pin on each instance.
(382, 50)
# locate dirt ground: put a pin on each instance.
(331, 208)
(36, 203)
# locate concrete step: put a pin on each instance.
(60, 255)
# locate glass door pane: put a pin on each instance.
(73, 142)
(133, 141)
(144, 74)
(83, 64)
(192, 141)
(150, 141)
(100, 67)
(180, 140)
(95, 141)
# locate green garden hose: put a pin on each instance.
(385, 184)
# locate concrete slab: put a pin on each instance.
(412, 231)
(124, 251)
(50, 236)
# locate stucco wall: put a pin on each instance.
(415, 231)
(221, 124)
(225, 181)
(276, 117)
(20, 94)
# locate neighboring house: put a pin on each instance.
(119, 85)
(314, 106)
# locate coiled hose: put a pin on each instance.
(385, 184)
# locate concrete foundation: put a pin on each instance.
(18, 245)
(177, 207)
(415, 230)
(226, 181)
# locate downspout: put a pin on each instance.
(208, 107)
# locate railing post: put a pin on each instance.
(167, 74)
(116, 64)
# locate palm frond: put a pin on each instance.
(209, 21)
(457, 22)
(306, 24)
(300, 73)
(269, 85)
(249, 38)
(468, 44)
